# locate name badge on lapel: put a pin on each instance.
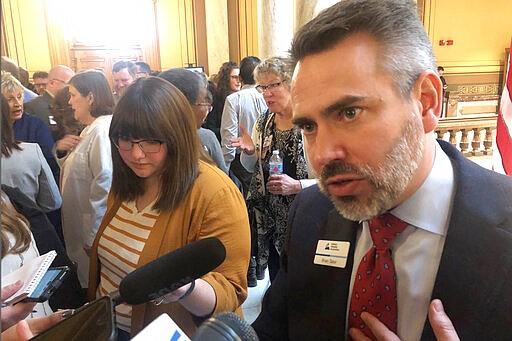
(332, 253)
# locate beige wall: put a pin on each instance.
(27, 40)
(172, 33)
(480, 32)
(216, 34)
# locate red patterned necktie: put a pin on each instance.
(374, 288)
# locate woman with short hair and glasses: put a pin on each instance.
(270, 196)
(86, 166)
(163, 197)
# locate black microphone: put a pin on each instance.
(171, 271)
(225, 327)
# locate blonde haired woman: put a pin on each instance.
(18, 247)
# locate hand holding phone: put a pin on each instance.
(51, 280)
(12, 314)
(93, 321)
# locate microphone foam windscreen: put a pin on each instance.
(241, 328)
(171, 271)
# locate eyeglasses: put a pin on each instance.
(273, 86)
(147, 146)
(235, 77)
(206, 105)
(58, 80)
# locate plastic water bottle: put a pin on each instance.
(276, 163)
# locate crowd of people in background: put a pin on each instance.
(118, 164)
(114, 176)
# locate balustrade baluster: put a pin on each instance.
(488, 141)
(464, 142)
(440, 134)
(453, 137)
(475, 143)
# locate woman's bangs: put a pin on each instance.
(134, 123)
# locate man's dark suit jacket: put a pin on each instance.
(474, 279)
(40, 107)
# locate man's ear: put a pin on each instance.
(429, 91)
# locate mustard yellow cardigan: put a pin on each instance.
(213, 208)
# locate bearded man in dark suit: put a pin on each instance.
(367, 97)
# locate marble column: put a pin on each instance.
(304, 12)
(279, 20)
(275, 24)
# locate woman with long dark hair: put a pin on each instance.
(226, 82)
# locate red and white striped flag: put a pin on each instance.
(503, 156)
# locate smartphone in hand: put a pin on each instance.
(51, 280)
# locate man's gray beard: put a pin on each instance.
(388, 180)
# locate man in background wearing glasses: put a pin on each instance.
(40, 81)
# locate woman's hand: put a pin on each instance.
(283, 184)
(27, 329)
(244, 142)
(200, 301)
(67, 143)
(175, 295)
(13, 313)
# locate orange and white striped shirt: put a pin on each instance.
(119, 249)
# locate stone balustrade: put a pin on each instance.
(473, 136)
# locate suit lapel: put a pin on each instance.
(337, 228)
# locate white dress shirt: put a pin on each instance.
(417, 251)
(241, 108)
